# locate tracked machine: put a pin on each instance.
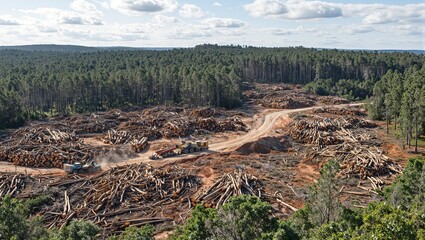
(183, 148)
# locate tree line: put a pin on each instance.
(399, 98)
(34, 83)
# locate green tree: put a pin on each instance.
(14, 222)
(77, 230)
(136, 233)
(242, 217)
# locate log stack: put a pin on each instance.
(326, 131)
(340, 111)
(49, 155)
(138, 145)
(361, 161)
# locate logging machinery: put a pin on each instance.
(79, 168)
(182, 148)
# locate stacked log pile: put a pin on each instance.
(41, 146)
(361, 161)
(54, 142)
(48, 155)
(93, 123)
(40, 135)
(326, 131)
(332, 100)
(230, 184)
(340, 111)
(120, 137)
(139, 145)
(13, 184)
(344, 140)
(159, 122)
(137, 189)
(286, 102)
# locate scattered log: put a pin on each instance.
(230, 184)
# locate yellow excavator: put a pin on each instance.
(182, 148)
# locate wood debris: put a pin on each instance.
(230, 184)
(12, 184)
(327, 131)
(361, 161)
(122, 196)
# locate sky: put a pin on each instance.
(347, 24)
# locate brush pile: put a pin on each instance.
(230, 184)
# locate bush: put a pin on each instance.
(14, 222)
(242, 217)
(135, 233)
(77, 230)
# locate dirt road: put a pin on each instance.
(262, 128)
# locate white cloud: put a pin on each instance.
(189, 33)
(191, 11)
(47, 29)
(224, 23)
(217, 4)
(6, 20)
(292, 9)
(290, 31)
(396, 14)
(163, 20)
(356, 29)
(105, 5)
(84, 7)
(137, 7)
(59, 16)
(312, 9)
(262, 8)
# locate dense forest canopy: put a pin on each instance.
(33, 83)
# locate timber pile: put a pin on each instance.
(230, 184)
(361, 161)
(210, 124)
(340, 111)
(133, 189)
(332, 100)
(139, 145)
(286, 102)
(326, 131)
(40, 135)
(48, 155)
(93, 123)
(13, 184)
(118, 137)
(202, 113)
(160, 122)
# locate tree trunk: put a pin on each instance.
(395, 122)
(387, 120)
(416, 134)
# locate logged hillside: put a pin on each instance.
(35, 83)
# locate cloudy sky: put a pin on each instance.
(360, 24)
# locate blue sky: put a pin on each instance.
(391, 24)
